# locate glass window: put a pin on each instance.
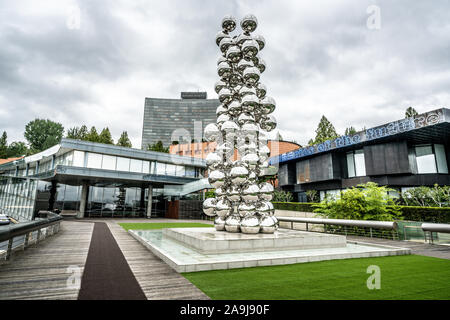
(360, 165)
(180, 171)
(303, 171)
(160, 168)
(94, 160)
(135, 165)
(190, 172)
(145, 167)
(109, 162)
(171, 169)
(356, 165)
(441, 159)
(426, 162)
(68, 159)
(350, 165)
(78, 158)
(123, 164)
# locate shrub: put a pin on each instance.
(282, 196)
(294, 206)
(426, 197)
(364, 202)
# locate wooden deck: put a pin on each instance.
(156, 278)
(41, 272)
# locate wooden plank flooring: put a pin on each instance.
(156, 278)
(41, 272)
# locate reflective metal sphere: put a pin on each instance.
(261, 65)
(219, 224)
(225, 43)
(250, 49)
(209, 206)
(261, 41)
(224, 69)
(213, 159)
(216, 178)
(219, 85)
(249, 103)
(228, 23)
(232, 223)
(235, 107)
(250, 193)
(268, 123)
(261, 90)
(234, 194)
(245, 209)
(212, 132)
(225, 95)
(246, 118)
(268, 105)
(234, 54)
(238, 175)
(251, 76)
(269, 224)
(249, 23)
(250, 224)
(266, 191)
(223, 208)
(244, 64)
(221, 110)
(220, 35)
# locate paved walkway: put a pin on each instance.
(420, 248)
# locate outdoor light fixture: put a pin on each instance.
(242, 202)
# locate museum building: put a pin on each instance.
(97, 180)
(401, 154)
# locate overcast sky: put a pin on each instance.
(332, 58)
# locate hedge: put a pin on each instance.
(409, 213)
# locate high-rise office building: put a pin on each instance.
(177, 119)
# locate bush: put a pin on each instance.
(426, 214)
(364, 202)
(426, 197)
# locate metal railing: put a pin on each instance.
(430, 228)
(22, 235)
(378, 229)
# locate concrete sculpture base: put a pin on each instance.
(201, 249)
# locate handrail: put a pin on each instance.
(9, 232)
(16, 230)
(386, 225)
(436, 227)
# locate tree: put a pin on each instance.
(325, 131)
(105, 137)
(17, 149)
(42, 134)
(79, 133)
(124, 141)
(4, 146)
(158, 146)
(349, 131)
(411, 112)
(92, 135)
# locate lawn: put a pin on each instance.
(402, 277)
(152, 226)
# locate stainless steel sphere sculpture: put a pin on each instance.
(242, 202)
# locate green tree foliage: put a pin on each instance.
(427, 197)
(124, 141)
(158, 146)
(17, 149)
(282, 196)
(92, 135)
(42, 134)
(4, 145)
(411, 112)
(210, 193)
(105, 137)
(349, 131)
(325, 131)
(79, 133)
(364, 202)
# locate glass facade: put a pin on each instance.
(17, 197)
(431, 159)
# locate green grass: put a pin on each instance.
(402, 277)
(151, 226)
